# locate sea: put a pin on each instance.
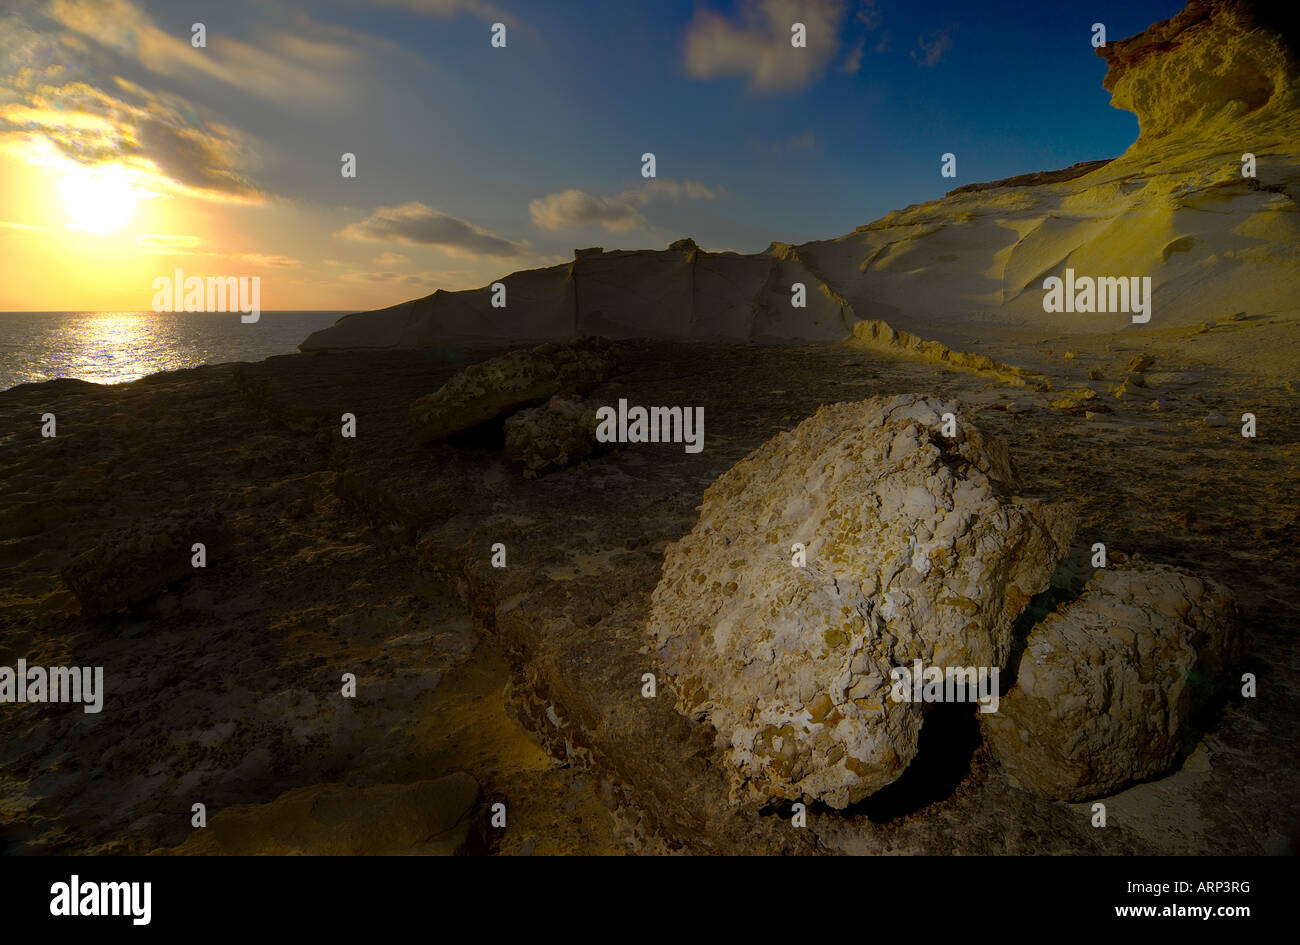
(117, 347)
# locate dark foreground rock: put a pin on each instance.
(424, 818)
(560, 432)
(138, 563)
(337, 548)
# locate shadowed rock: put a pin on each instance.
(560, 432)
(428, 818)
(484, 391)
(137, 564)
(1108, 684)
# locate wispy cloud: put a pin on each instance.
(617, 213)
(804, 142)
(451, 8)
(161, 137)
(10, 227)
(930, 50)
(289, 72)
(755, 44)
(170, 244)
(176, 244)
(421, 225)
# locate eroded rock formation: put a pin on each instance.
(1209, 85)
(915, 550)
(503, 384)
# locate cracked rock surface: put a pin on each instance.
(1108, 685)
(497, 386)
(560, 432)
(915, 549)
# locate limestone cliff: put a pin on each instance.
(1213, 83)
(680, 292)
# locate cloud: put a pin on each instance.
(168, 244)
(868, 14)
(159, 137)
(804, 142)
(13, 227)
(298, 71)
(389, 259)
(853, 60)
(929, 52)
(867, 19)
(416, 224)
(450, 8)
(756, 44)
(444, 279)
(175, 244)
(617, 213)
(269, 260)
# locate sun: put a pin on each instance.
(98, 199)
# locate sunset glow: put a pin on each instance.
(98, 199)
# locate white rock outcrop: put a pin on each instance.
(1208, 85)
(915, 550)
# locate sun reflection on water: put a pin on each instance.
(116, 347)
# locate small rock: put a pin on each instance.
(561, 432)
(1074, 401)
(1140, 363)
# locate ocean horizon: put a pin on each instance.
(110, 347)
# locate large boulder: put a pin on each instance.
(500, 385)
(1108, 685)
(915, 549)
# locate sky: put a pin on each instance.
(127, 152)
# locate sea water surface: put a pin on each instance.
(115, 347)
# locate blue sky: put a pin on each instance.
(474, 161)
